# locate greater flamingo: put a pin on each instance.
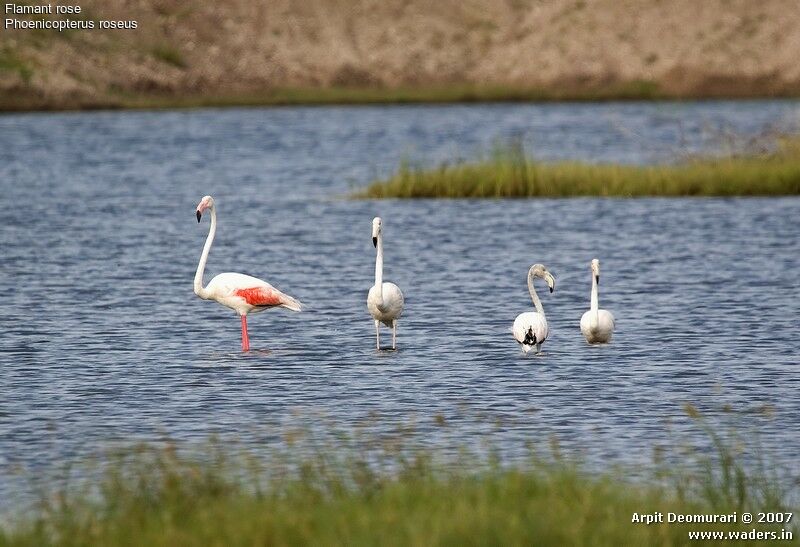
(597, 325)
(530, 328)
(385, 300)
(242, 293)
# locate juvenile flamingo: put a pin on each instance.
(385, 300)
(530, 328)
(242, 293)
(597, 325)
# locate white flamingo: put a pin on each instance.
(242, 293)
(597, 325)
(385, 300)
(530, 328)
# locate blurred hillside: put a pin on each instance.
(244, 51)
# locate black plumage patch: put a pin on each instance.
(530, 338)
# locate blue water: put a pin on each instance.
(102, 341)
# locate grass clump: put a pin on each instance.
(333, 95)
(508, 172)
(10, 62)
(169, 55)
(160, 496)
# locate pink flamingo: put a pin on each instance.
(242, 293)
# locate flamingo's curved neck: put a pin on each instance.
(199, 290)
(379, 269)
(536, 302)
(594, 305)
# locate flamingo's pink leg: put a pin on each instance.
(245, 338)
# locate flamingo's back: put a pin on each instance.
(246, 294)
(599, 331)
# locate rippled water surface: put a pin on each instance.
(102, 340)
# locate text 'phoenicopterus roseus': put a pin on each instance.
(385, 300)
(530, 328)
(242, 293)
(597, 325)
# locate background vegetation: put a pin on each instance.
(394, 493)
(509, 172)
(284, 51)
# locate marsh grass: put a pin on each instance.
(717, 473)
(333, 95)
(508, 172)
(10, 62)
(360, 95)
(170, 55)
(394, 492)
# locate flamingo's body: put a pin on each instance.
(385, 304)
(385, 300)
(597, 325)
(242, 293)
(530, 328)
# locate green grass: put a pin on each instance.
(169, 55)
(343, 95)
(10, 62)
(508, 172)
(159, 498)
(127, 99)
(456, 93)
(636, 90)
(389, 496)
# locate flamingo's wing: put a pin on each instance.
(251, 290)
(262, 296)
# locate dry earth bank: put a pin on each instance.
(244, 52)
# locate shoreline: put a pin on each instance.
(456, 95)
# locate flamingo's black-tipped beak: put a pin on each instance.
(597, 279)
(375, 242)
(199, 214)
(551, 290)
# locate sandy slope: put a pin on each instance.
(246, 48)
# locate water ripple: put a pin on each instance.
(103, 341)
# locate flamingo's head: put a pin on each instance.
(206, 203)
(596, 270)
(376, 230)
(538, 270)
